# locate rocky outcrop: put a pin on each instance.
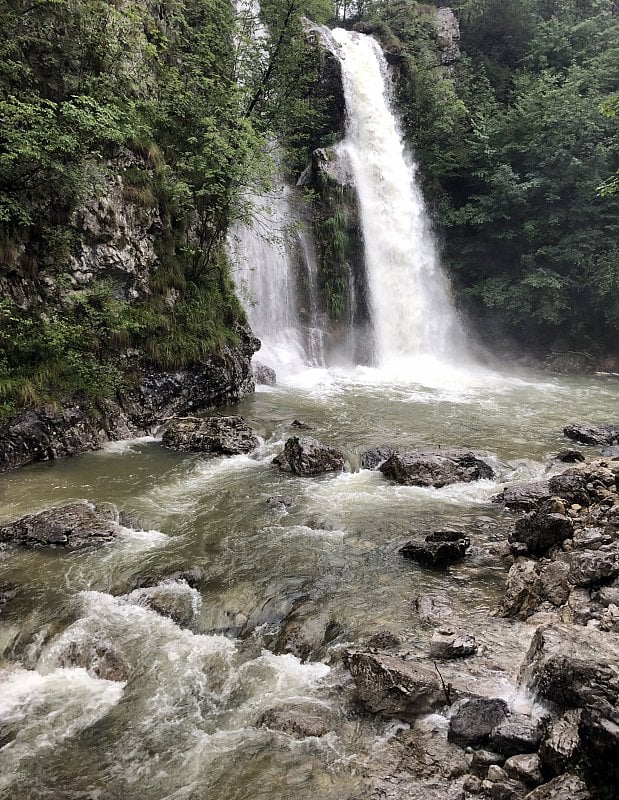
(72, 526)
(80, 426)
(439, 549)
(308, 457)
(263, 375)
(215, 435)
(435, 467)
(607, 434)
(448, 36)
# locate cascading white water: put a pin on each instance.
(412, 313)
(265, 279)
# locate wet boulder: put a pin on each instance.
(393, 687)
(560, 746)
(307, 456)
(174, 599)
(526, 496)
(564, 787)
(571, 487)
(263, 375)
(482, 760)
(279, 501)
(599, 736)
(294, 722)
(517, 734)
(216, 435)
(593, 567)
(435, 467)
(300, 425)
(574, 667)
(96, 655)
(530, 584)
(438, 549)
(447, 644)
(606, 435)
(433, 606)
(375, 456)
(72, 526)
(525, 768)
(569, 456)
(542, 529)
(475, 719)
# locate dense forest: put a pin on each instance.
(181, 101)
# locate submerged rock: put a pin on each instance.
(174, 599)
(279, 501)
(307, 456)
(607, 434)
(71, 526)
(435, 467)
(264, 375)
(294, 722)
(217, 435)
(569, 456)
(439, 549)
(299, 425)
(96, 655)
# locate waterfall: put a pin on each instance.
(412, 313)
(264, 275)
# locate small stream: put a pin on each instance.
(275, 586)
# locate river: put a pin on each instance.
(185, 722)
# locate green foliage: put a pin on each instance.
(517, 143)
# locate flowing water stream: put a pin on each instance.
(279, 591)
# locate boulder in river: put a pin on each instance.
(517, 734)
(97, 655)
(475, 719)
(526, 496)
(574, 667)
(264, 375)
(393, 687)
(606, 434)
(375, 456)
(539, 531)
(307, 456)
(435, 467)
(295, 722)
(569, 456)
(217, 435)
(72, 526)
(560, 746)
(533, 583)
(438, 549)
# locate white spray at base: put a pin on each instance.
(412, 313)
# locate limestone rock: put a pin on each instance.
(72, 526)
(307, 456)
(435, 467)
(216, 435)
